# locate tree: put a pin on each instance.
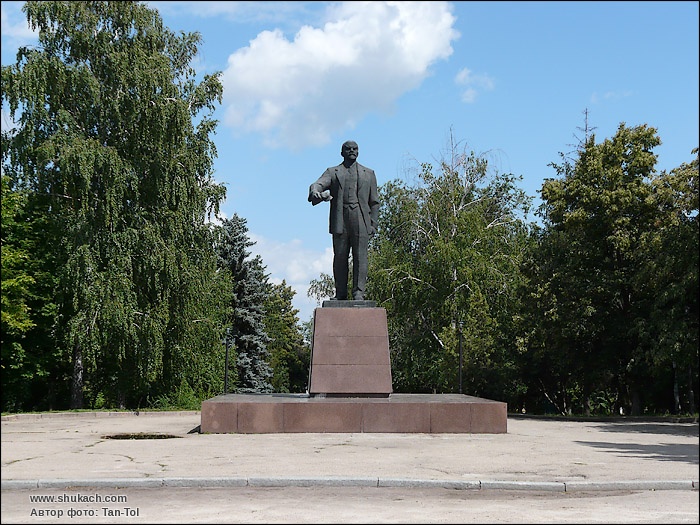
(112, 162)
(17, 283)
(584, 276)
(443, 263)
(246, 315)
(323, 287)
(31, 364)
(289, 356)
(671, 272)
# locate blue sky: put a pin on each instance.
(510, 80)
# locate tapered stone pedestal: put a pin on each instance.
(350, 351)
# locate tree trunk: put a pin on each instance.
(691, 394)
(76, 395)
(636, 409)
(676, 393)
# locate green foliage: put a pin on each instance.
(28, 305)
(671, 272)
(596, 272)
(16, 282)
(324, 287)
(245, 331)
(289, 356)
(447, 255)
(116, 170)
(183, 398)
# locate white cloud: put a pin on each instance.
(6, 122)
(216, 219)
(296, 265)
(469, 95)
(474, 84)
(610, 95)
(13, 25)
(300, 92)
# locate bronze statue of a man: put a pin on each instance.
(351, 189)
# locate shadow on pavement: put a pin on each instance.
(660, 452)
(654, 428)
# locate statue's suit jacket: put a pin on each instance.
(333, 179)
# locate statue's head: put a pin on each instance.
(350, 150)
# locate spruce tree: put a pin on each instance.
(250, 289)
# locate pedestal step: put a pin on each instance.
(404, 413)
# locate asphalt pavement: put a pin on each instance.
(89, 457)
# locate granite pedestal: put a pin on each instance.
(397, 413)
(350, 350)
(350, 389)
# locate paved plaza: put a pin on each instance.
(158, 468)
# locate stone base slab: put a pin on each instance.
(398, 413)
